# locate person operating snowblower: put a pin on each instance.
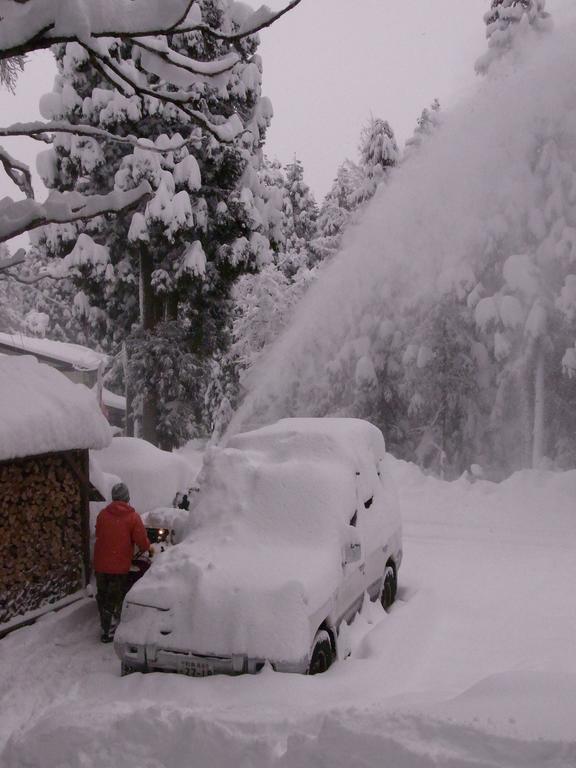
(118, 529)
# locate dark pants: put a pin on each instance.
(112, 588)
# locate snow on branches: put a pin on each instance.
(60, 207)
(29, 25)
(93, 31)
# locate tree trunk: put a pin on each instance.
(129, 415)
(148, 321)
(524, 383)
(149, 418)
(147, 313)
(539, 410)
(171, 307)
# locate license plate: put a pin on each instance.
(197, 668)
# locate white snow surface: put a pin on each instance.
(78, 356)
(42, 411)
(474, 667)
(153, 476)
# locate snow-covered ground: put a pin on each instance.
(474, 666)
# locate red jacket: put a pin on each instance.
(118, 528)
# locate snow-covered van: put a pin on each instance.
(294, 523)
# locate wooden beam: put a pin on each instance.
(84, 457)
(13, 261)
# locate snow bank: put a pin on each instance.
(42, 411)
(411, 741)
(154, 477)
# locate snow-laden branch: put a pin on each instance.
(65, 207)
(130, 82)
(31, 279)
(39, 130)
(169, 58)
(33, 24)
(18, 172)
(256, 22)
(12, 261)
(29, 25)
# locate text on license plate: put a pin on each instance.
(197, 668)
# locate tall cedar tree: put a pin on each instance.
(158, 281)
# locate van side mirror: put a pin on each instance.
(352, 550)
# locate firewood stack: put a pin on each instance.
(41, 545)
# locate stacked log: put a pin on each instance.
(41, 533)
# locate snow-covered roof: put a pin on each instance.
(42, 411)
(112, 400)
(79, 357)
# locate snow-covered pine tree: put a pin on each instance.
(337, 208)
(426, 124)
(378, 154)
(504, 20)
(440, 387)
(168, 268)
(300, 215)
(525, 308)
(11, 316)
(10, 69)
(264, 301)
(273, 191)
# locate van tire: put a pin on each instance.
(322, 654)
(125, 669)
(388, 594)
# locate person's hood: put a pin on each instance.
(120, 508)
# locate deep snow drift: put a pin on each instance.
(153, 476)
(470, 186)
(473, 667)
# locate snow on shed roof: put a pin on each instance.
(42, 411)
(79, 357)
(112, 400)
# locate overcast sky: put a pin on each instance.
(328, 66)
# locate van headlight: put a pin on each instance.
(129, 651)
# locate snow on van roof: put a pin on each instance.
(298, 479)
(78, 356)
(356, 439)
(42, 411)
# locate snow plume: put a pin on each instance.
(469, 198)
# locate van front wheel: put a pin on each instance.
(388, 588)
(322, 653)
